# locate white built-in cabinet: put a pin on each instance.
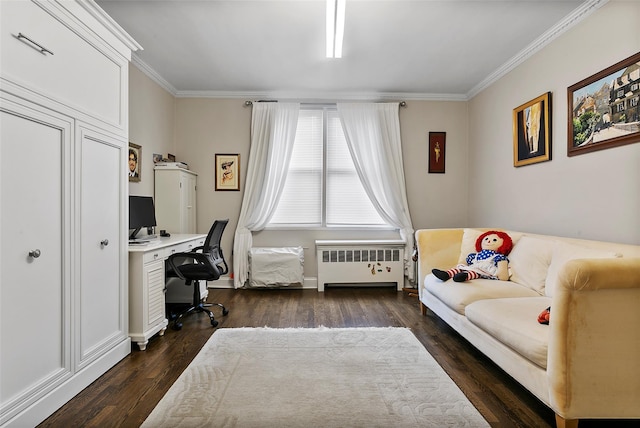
(175, 199)
(63, 201)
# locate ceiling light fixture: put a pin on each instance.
(335, 27)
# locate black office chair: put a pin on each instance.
(205, 263)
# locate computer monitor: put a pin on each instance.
(142, 213)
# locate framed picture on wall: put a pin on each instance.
(532, 131)
(437, 148)
(604, 109)
(227, 172)
(135, 162)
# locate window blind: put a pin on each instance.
(321, 161)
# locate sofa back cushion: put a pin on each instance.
(562, 253)
(529, 262)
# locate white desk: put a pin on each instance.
(147, 284)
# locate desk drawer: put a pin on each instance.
(76, 73)
(152, 256)
(181, 248)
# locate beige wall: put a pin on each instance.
(151, 125)
(435, 200)
(207, 126)
(594, 195)
(204, 127)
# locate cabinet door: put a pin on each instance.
(154, 298)
(35, 195)
(102, 292)
(75, 71)
(188, 184)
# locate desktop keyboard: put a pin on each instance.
(138, 242)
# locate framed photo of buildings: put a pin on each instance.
(227, 172)
(603, 110)
(532, 131)
(437, 149)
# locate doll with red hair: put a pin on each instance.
(490, 261)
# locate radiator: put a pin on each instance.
(276, 266)
(360, 261)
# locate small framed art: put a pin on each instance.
(437, 149)
(604, 109)
(135, 162)
(532, 131)
(227, 172)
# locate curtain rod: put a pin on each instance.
(250, 103)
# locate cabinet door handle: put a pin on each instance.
(104, 242)
(34, 253)
(41, 48)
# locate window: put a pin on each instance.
(322, 187)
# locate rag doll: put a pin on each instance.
(490, 261)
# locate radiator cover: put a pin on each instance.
(360, 261)
(276, 266)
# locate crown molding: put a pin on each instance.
(583, 11)
(323, 96)
(152, 74)
(98, 13)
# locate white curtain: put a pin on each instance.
(372, 131)
(273, 131)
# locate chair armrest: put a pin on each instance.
(594, 340)
(176, 260)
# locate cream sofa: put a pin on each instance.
(586, 363)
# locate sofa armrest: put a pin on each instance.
(594, 340)
(437, 248)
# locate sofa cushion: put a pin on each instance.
(562, 253)
(513, 322)
(457, 295)
(529, 262)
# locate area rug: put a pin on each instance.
(320, 377)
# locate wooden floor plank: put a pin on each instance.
(126, 394)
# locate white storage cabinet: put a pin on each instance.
(63, 196)
(175, 199)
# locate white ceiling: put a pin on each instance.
(415, 49)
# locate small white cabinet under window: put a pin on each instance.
(175, 199)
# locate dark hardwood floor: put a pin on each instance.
(126, 394)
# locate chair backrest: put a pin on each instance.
(212, 245)
(215, 234)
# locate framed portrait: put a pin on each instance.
(171, 158)
(532, 131)
(157, 157)
(437, 149)
(604, 110)
(135, 162)
(227, 172)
